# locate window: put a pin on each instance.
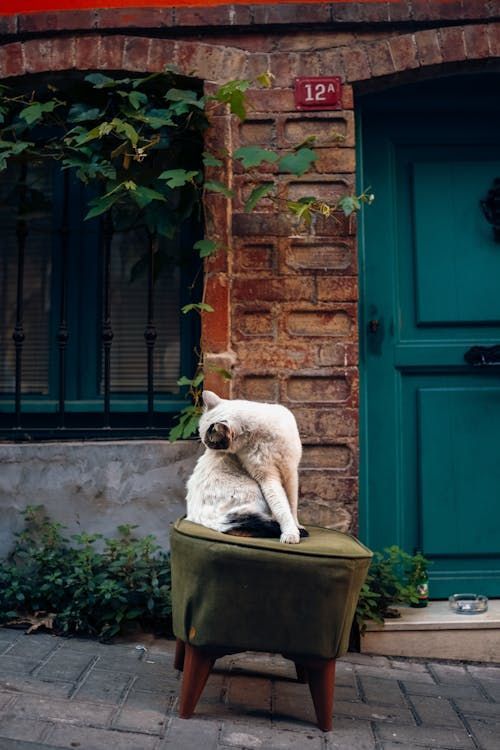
(71, 289)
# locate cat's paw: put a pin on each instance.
(290, 537)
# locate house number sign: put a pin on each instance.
(318, 93)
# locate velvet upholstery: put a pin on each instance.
(238, 593)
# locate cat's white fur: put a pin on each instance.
(255, 473)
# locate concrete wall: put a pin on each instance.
(96, 486)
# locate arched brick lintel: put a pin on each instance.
(421, 49)
(121, 52)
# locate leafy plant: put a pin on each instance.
(89, 586)
(139, 141)
(391, 581)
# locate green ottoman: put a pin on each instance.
(232, 594)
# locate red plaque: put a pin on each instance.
(323, 92)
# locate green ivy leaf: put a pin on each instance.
(349, 204)
(100, 81)
(206, 248)
(178, 177)
(198, 306)
(299, 162)
(35, 112)
(253, 156)
(143, 196)
(218, 187)
(209, 160)
(265, 79)
(82, 113)
(257, 193)
(233, 93)
(137, 99)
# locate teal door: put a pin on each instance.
(430, 278)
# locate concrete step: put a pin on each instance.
(435, 632)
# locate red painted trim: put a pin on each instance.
(15, 7)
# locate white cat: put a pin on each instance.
(247, 479)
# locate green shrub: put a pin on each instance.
(391, 581)
(91, 586)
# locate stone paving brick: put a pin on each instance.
(16, 665)
(190, 735)
(105, 686)
(293, 702)
(382, 692)
(37, 648)
(447, 673)
(350, 735)
(489, 679)
(143, 712)
(252, 692)
(443, 691)
(67, 666)
(22, 745)
(14, 684)
(13, 728)
(87, 738)
(454, 739)
(372, 712)
(435, 711)
(76, 712)
(5, 699)
(395, 674)
(478, 708)
(366, 659)
(343, 693)
(276, 739)
(486, 733)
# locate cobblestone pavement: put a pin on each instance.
(72, 693)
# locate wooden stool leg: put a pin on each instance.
(197, 666)
(180, 650)
(322, 684)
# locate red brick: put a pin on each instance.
(63, 53)
(293, 13)
(332, 160)
(134, 18)
(336, 456)
(8, 25)
(270, 100)
(338, 354)
(257, 132)
(284, 68)
(199, 17)
(87, 52)
(428, 48)
(494, 39)
(331, 323)
(62, 21)
(111, 52)
(273, 289)
(259, 388)
(256, 64)
(478, 9)
(324, 187)
(451, 41)
(347, 97)
(12, 60)
(162, 52)
(326, 423)
(337, 289)
(215, 325)
(381, 62)
(476, 42)
(214, 379)
(37, 55)
(321, 255)
(253, 324)
(318, 388)
(328, 128)
(328, 62)
(356, 64)
(136, 53)
(399, 11)
(254, 256)
(261, 224)
(404, 52)
(328, 487)
(270, 357)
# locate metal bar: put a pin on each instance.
(107, 330)
(62, 333)
(150, 332)
(18, 334)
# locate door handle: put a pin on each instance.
(481, 356)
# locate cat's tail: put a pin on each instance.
(253, 525)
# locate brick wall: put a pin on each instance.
(285, 299)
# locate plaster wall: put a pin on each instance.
(96, 486)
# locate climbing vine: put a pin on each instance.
(139, 142)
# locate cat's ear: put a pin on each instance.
(210, 399)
